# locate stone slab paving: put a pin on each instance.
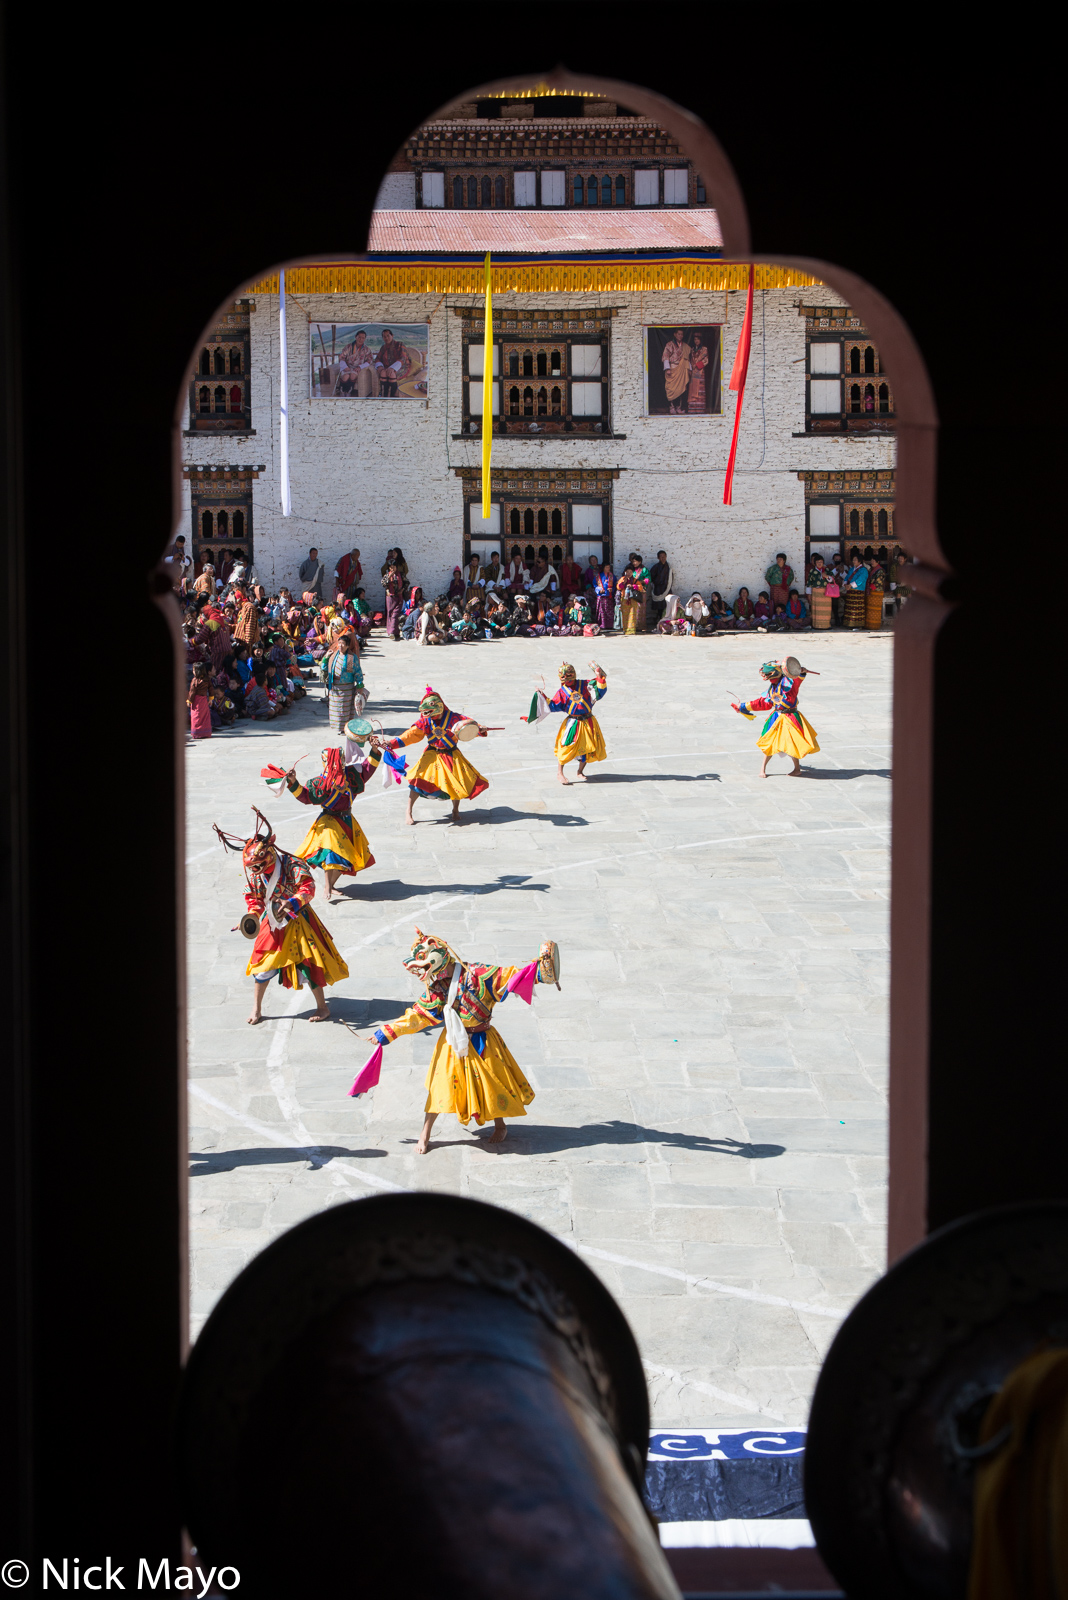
(710, 1123)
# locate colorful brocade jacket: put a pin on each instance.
(479, 990)
(437, 731)
(335, 799)
(578, 699)
(292, 893)
(781, 701)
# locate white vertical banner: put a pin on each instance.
(283, 404)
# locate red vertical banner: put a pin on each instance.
(738, 373)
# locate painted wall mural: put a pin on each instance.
(369, 360)
(682, 371)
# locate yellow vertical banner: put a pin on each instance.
(487, 396)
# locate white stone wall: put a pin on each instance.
(378, 473)
(397, 192)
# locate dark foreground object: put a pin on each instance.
(890, 1460)
(422, 1395)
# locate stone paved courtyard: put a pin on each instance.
(710, 1124)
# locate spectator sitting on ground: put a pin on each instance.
(257, 703)
(426, 630)
(720, 615)
(762, 612)
(456, 587)
(796, 611)
(525, 616)
(778, 620)
(743, 609)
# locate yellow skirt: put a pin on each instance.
(483, 1087)
(454, 777)
(784, 739)
(328, 845)
(588, 742)
(302, 949)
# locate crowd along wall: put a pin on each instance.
(376, 473)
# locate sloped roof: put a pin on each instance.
(563, 232)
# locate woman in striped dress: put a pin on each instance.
(344, 681)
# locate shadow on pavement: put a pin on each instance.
(540, 1141)
(842, 772)
(228, 1160)
(395, 889)
(656, 777)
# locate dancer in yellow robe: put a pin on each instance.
(335, 841)
(786, 732)
(472, 1072)
(441, 773)
(580, 738)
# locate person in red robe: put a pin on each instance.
(570, 578)
(347, 575)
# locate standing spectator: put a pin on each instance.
(778, 579)
(205, 583)
(632, 589)
(899, 572)
(818, 579)
(570, 579)
(393, 583)
(604, 596)
(662, 583)
(175, 557)
(839, 572)
(312, 573)
(199, 702)
(855, 598)
(590, 576)
(347, 575)
(344, 680)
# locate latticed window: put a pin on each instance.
(220, 398)
(204, 401)
(220, 362)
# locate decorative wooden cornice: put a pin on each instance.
(831, 319)
(879, 485)
(212, 473)
(536, 276)
(536, 324)
(530, 484)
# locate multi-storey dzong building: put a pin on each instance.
(616, 322)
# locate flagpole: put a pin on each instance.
(487, 395)
(283, 407)
(738, 375)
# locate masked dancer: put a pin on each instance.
(441, 773)
(472, 1072)
(786, 732)
(335, 840)
(291, 943)
(580, 737)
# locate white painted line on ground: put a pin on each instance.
(311, 1152)
(739, 1402)
(705, 1283)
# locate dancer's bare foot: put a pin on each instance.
(580, 773)
(424, 1138)
(322, 1010)
(500, 1132)
(409, 819)
(564, 780)
(455, 811)
(796, 773)
(255, 1017)
(257, 1005)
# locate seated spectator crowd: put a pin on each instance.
(250, 654)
